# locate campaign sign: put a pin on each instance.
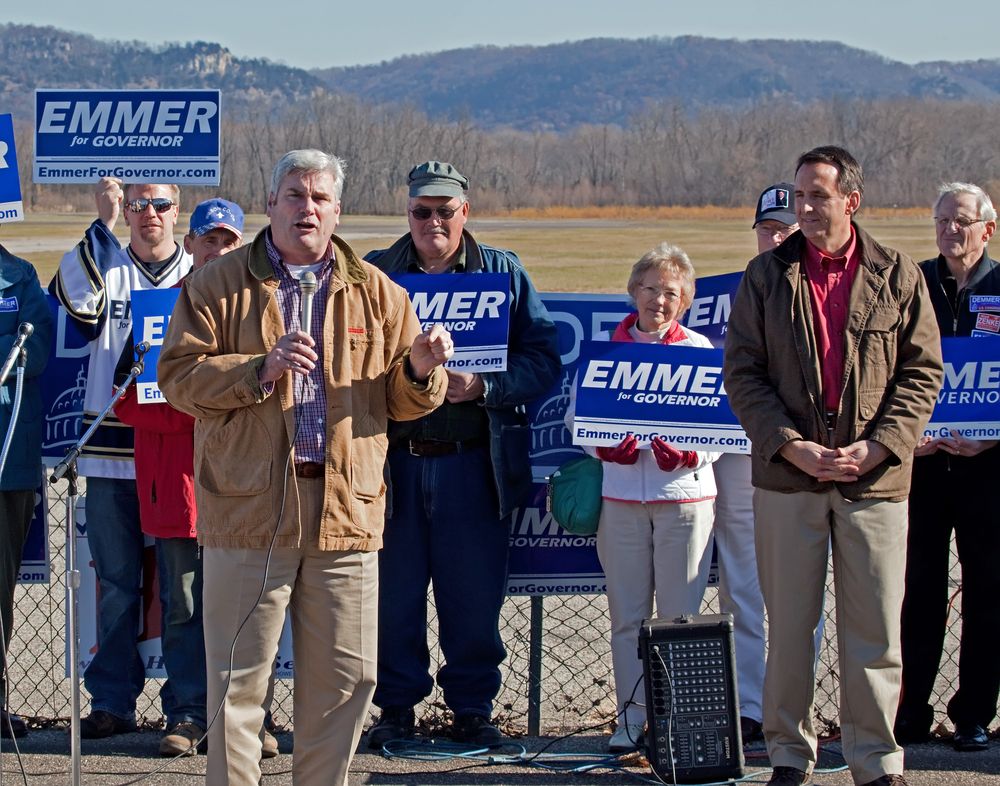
(11, 206)
(138, 136)
(151, 310)
(544, 559)
(63, 384)
(654, 390)
(35, 554)
(474, 307)
(713, 300)
(971, 392)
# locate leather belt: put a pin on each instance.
(309, 469)
(435, 447)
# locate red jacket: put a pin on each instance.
(164, 466)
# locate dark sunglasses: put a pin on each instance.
(422, 213)
(160, 204)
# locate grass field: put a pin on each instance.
(565, 251)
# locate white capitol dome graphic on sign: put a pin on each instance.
(62, 421)
(551, 443)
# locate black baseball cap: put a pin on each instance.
(777, 203)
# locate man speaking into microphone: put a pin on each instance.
(290, 446)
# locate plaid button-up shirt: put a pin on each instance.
(309, 391)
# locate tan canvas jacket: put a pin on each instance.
(892, 370)
(226, 319)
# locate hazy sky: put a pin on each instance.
(320, 34)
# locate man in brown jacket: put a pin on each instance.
(290, 445)
(832, 365)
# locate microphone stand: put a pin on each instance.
(67, 469)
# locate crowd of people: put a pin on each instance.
(319, 460)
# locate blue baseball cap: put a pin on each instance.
(217, 214)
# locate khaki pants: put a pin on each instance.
(868, 539)
(333, 598)
(645, 549)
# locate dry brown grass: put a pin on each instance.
(585, 250)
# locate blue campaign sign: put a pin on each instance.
(713, 300)
(654, 390)
(11, 206)
(35, 555)
(139, 136)
(151, 310)
(474, 307)
(971, 392)
(63, 383)
(545, 560)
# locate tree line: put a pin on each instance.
(666, 155)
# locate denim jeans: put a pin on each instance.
(183, 695)
(115, 676)
(444, 529)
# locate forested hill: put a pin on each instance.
(606, 80)
(32, 57)
(556, 87)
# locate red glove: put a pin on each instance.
(627, 451)
(668, 458)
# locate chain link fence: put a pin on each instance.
(571, 644)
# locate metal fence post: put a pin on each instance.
(535, 668)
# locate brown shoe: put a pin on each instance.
(888, 780)
(181, 739)
(787, 776)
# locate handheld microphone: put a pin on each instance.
(307, 286)
(24, 331)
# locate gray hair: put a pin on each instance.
(670, 258)
(309, 160)
(984, 205)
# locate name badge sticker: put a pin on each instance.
(984, 303)
(988, 322)
(8, 303)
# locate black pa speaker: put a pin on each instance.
(692, 707)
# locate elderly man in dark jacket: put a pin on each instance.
(21, 300)
(955, 489)
(456, 475)
(832, 364)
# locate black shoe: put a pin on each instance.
(787, 776)
(395, 723)
(100, 724)
(970, 737)
(476, 730)
(909, 732)
(12, 725)
(751, 730)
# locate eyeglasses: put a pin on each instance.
(944, 222)
(422, 212)
(160, 204)
(655, 292)
(770, 231)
